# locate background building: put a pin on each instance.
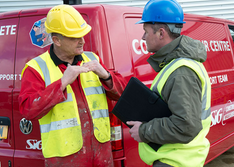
(215, 8)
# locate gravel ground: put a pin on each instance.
(224, 160)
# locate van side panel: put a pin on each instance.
(219, 65)
(8, 33)
(117, 40)
(97, 40)
(27, 146)
(138, 50)
(123, 34)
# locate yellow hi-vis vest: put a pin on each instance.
(61, 133)
(194, 153)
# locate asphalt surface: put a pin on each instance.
(224, 160)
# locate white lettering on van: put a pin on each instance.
(8, 30)
(138, 47)
(216, 46)
(229, 112)
(219, 46)
(34, 144)
(134, 46)
(10, 77)
(219, 79)
(222, 114)
(213, 80)
(216, 116)
(206, 45)
(222, 78)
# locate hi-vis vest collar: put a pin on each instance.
(45, 70)
(60, 128)
(171, 153)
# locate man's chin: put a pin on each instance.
(80, 51)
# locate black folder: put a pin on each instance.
(139, 103)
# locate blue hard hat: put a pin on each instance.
(38, 24)
(162, 11)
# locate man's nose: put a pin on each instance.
(143, 37)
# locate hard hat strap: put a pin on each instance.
(175, 28)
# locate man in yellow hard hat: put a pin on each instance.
(65, 89)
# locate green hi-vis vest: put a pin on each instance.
(61, 133)
(194, 153)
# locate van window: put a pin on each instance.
(218, 47)
(87, 37)
(231, 29)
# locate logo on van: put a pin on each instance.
(34, 144)
(25, 126)
(38, 35)
(222, 114)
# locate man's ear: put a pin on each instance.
(56, 40)
(162, 33)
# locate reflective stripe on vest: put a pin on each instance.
(91, 56)
(170, 153)
(96, 90)
(59, 122)
(59, 125)
(99, 110)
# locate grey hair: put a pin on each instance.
(157, 26)
(60, 36)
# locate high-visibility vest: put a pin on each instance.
(61, 133)
(194, 153)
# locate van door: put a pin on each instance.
(142, 70)
(28, 141)
(8, 33)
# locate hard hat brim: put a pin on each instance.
(81, 34)
(140, 22)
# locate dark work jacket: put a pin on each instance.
(182, 92)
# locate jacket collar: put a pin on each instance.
(162, 57)
(57, 61)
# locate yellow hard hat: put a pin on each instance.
(66, 20)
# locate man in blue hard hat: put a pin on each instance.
(183, 83)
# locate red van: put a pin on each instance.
(117, 40)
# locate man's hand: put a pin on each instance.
(71, 73)
(134, 131)
(96, 67)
